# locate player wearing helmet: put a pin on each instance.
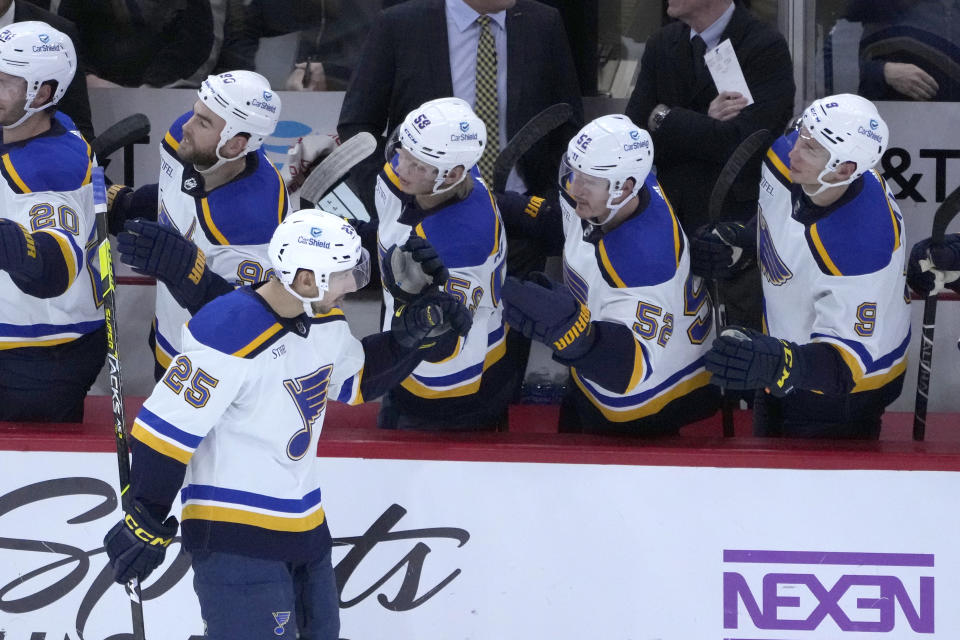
(204, 229)
(249, 390)
(629, 319)
(828, 237)
(52, 339)
(430, 189)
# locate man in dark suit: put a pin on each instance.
(406, 61)
(695, 128)
(75, 102)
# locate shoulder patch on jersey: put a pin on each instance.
(466, 232)
(777, 158)
(645, 250)
(56, 161)
(171, 140)
(216, 324)
(860, 236)
(245, 210)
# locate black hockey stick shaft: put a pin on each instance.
(113, 362)
(734, 165)
(529, 134)
(130, 130)
(945, 213)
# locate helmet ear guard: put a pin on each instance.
(850, 128)
(38, 53)
(443, 133)
(611, 147)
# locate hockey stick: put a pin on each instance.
(529, 134)
(946, 212)
(336, 165)
(131, 130)
(113, 361)
(735, 163)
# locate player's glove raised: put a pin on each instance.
(742, 358)
(160, 251)
(415, 323)
(412, 269)
(722, 250)
(137, 544)
(935, 266)
(547, 312)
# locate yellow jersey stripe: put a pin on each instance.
(159, 445)
(392, 175)
(824, 256)
(651, 406)
(209, 221)
(496, 225)
(35, 343)
(239, 516)
(608, 266)
(419, 389)
(259, 340)
(283, 196)
(778, 164)
(68, 256)
(862, 382)
(893, 216)
(419, 231)
(163, 358)
(8, 166)
(638, 367)
(170, 140)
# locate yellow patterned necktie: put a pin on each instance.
(487, 106)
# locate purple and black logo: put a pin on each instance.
(802, 595)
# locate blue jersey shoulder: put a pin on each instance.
(246, 210)
(237, 323)
(860, 236)
(466, 232)
(645, 250)
(777, 157)
(57, 160)
(174, 134)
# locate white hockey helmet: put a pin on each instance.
(611, 147)
(444, 133)
(320, 242)
(245, 102)
(38, 53)
(850, 128)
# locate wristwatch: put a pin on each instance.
(657, 117)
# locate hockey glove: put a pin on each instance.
(18, 251)
(412, 269)
(547, 312)
(428, 316)
(935, 266)
(137, 544)
(160, 251)
(723, 250)
(742, 358)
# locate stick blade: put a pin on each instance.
(130, 130)
(336, 165)
(529, 134)
(734, 165)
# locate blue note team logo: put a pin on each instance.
(281, 618)
(772, 266)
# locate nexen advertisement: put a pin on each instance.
(428, 550)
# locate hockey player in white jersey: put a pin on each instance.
(629, 320)
(204, 228)
(430, 189)
(829, 241)
(52, 338)
(249, 391)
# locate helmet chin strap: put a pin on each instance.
(824, 185)
(28, 111)
(307, 302)
(614, 208)
(224, 138)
